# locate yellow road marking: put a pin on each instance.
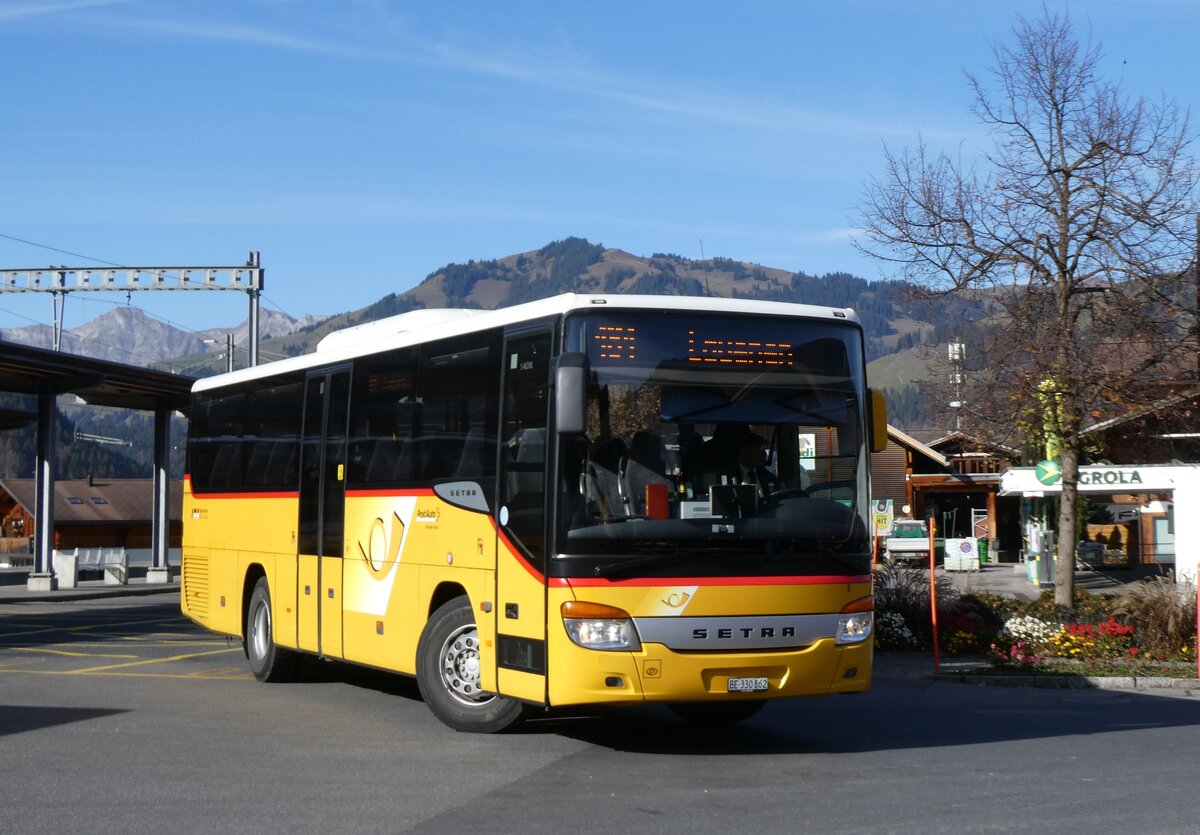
(186, 676)
(238, 671)
(183, 657)
(197, 643)
(7, 669)
(91, 627)
(49, 651)
(33, 632)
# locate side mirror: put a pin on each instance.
(570, 393)
(879, 436)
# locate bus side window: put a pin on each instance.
(459, 395)
(383, 415)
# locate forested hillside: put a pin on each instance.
(125, 450)
(900, 334)
(892, 321)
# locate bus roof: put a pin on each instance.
(417, 326)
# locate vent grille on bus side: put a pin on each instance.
(195, 586)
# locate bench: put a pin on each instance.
(112, 563)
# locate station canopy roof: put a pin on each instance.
(25, 370)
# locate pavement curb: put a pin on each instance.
(21, 595)
(1186, 686)
(919, 667)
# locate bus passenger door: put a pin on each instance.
(322, 512)
(521, 552)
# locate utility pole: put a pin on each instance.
(228, 350)
(958, 354)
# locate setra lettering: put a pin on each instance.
(745, 632)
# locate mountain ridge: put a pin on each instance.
(130, 335)
(895, 326)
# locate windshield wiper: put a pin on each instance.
(631, 565)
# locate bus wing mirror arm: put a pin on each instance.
(570, 393)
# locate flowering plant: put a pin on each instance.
(1030, 631)
(891, 632)
(1004, 654)
(1086, 640)
(961, 643)
(966, 633)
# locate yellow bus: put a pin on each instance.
(581, 500)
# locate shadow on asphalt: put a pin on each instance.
(33, 625)
(898, 713)
(891, 717)
(17, 718)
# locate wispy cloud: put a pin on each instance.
(18, 11)
(247, 34)
(555, 70)
(665, 99)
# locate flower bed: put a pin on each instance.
(1148, 628)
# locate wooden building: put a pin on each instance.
(90, 513)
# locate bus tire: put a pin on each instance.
(448, 673)
(717, 714)
(268, 661)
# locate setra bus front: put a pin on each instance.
(710, 533)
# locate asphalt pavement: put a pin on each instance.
(1006, 579)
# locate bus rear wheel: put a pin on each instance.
(268, 661)
(717, 714)
(448, 673)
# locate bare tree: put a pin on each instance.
(1075, 230)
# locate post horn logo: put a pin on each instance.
(677, 600)
(382, 548)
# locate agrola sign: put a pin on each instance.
(1046, 477)
(1113, 477)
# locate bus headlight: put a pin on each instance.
(596, 626)
(856, 621)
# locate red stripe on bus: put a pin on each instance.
(819, 580)
(244, 494)
(291, 494)
(515, 552)
(384, 493)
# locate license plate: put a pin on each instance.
(754, 684)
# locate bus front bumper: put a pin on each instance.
(661, 675)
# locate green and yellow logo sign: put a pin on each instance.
(1048, 472)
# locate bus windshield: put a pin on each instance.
(722, 442)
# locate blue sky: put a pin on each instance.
(360, 145)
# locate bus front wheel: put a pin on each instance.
(268, 661)
(448, 673)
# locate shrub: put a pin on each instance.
(1085, 607)
(965, 635)
(999, 607)
(905, 591)
(1163, 615)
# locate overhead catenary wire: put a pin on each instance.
(127, 303)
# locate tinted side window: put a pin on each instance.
(271, 442)
(383, 416)
(460, 394)
(245, 439)
(214, 441)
